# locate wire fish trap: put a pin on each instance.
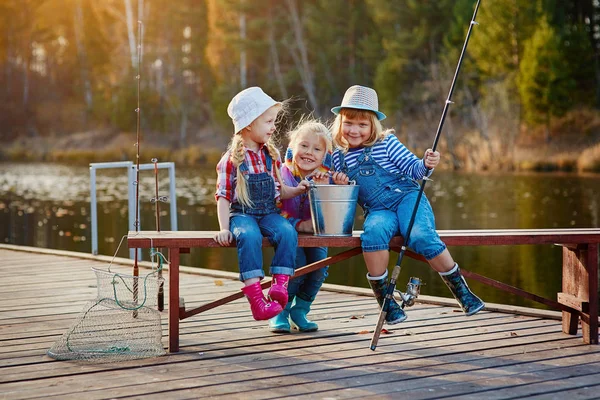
(120, 324)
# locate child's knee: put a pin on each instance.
(285, 235)
(377, 237)
(426, 242)
(288, 232)
(375, 240)
(247, 234)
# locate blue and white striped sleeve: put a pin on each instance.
(406, 161)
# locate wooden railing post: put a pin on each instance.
(173, 300)
(580, 290)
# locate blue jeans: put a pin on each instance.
(307, 286)
(248, 231)
(382, 224)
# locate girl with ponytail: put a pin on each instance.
(249, 186)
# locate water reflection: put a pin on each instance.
(47, 205)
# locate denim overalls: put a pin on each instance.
(387, 200)
(250, 224)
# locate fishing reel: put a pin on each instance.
(413, 289)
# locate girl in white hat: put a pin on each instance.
(248, 188)
(308, 155)
(387, 174)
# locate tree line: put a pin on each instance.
(70, 65)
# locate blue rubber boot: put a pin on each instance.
(395, 313)
(469, 303)
(298, 318)
(280, 323)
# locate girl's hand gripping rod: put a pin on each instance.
(392, 283)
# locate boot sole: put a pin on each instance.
(396, 321)
(297, 328)
(475, 311)
(306, 330)
(280, 330)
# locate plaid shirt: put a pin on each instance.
(227, 173)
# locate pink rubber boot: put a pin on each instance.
(279, 289)
(262, 309)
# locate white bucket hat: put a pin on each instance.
(248, 105)
(361, 98)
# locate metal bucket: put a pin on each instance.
(333, 208)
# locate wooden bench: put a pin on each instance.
(578, 299)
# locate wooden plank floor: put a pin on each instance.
(436, 354)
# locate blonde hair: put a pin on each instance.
(377, 131)
(310, 126)
(238, 154)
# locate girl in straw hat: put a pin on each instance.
(248, 188)
(308, 154)
(386, 173)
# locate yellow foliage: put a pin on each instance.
(589, 160)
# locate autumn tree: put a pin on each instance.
(545, 83)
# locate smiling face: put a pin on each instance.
(356, 130)
(309, 152)
(261, 129)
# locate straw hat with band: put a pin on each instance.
(360, 98)
(248, 105)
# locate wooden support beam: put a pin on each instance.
(267, 283)
(578, 299)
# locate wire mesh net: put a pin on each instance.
(120, 324)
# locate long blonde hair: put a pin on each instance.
(377, 131)
(238, 154)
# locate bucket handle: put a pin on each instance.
(313, 185)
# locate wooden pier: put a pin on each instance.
(509, 352)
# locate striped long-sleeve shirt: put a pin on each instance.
(390, 154)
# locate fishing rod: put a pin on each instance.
(136, 270)
(156, 200)
(392, 283)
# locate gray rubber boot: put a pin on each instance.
(469, 303)
(395, 313)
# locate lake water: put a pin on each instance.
(48, 205)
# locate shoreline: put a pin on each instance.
(107, 146)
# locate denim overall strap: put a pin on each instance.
(244, 168)
(269, 163)
(366, 154)
(343, 165)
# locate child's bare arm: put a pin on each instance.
(224, 236)
(287, 192)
